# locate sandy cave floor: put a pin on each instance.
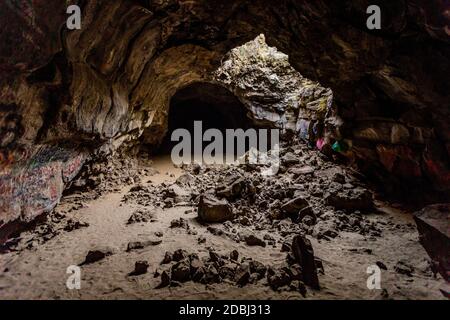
(39, 271)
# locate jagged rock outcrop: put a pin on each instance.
(433, 224)
(107, 83)
(275, 93)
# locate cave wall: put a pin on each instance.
(93, 89)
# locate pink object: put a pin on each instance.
(320, 143)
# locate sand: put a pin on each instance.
(40, 272)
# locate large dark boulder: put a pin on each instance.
(433, 224)
(211, 209)
(304, 256)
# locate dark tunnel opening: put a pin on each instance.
(215, 106)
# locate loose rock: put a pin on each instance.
(140, 268)
(136, 245)
(253, 240)
(211, 209)
(96, 255)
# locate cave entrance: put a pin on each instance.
(215, 106)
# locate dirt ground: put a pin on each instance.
(36, 267)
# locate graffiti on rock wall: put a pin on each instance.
(47, 154)
(73, 167)
(36, 184)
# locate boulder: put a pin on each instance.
(165, 280)
(140, 267)
(179, 223)
(199, 274)
(234, 255)
(211, 275)
(258, 268)
(307, 216)
(168, 257)
(231, 189)
(304, 256)
(433, 224)
(295, 205)
(290, 159)
(232, 185)
(179, 255)
(196, 168)
(96, 255)
(211, 209)
(137, 245)
(295, 272)
(278, 278)
(353, 199)
(300, 171)
(181, 271)
(195, 264)
(177, 193)
(252, 240)
(228, 271)
(242, 275)
(381, 265)
(214, 256)
(445, 290)
(139, 216)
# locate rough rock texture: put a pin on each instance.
(211, 209)
(112, 80)
(433, 223)
(29, 38)
(274, 92)
(33, 182)
(304, 255)
(353, 199)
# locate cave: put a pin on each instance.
(215, 106)
(349, 199)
